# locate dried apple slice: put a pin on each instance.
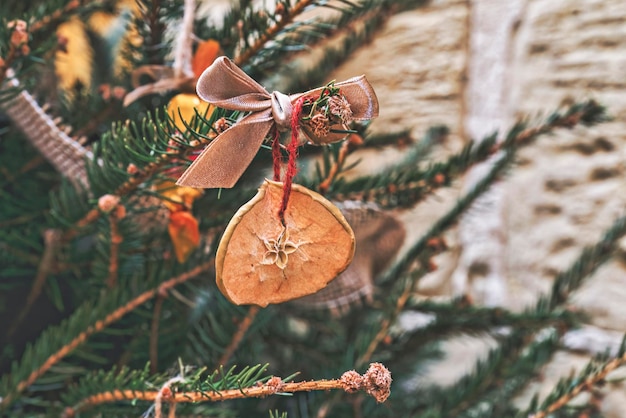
(261, 261)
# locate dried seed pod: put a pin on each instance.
(260, 260)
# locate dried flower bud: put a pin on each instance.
(120, 212)
(19, 36)
(132, 169)
(108, 202)
(221, 125)
(275, 384)
(319, 124)
(62, 42)
(352, 381)
(378, 382)
(339, 106)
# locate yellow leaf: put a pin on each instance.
(183, 105)
(177, 198)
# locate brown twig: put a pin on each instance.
(154, 333)
(51, 240)
(586, 384)
(376, 382)
(346, 148)
(429, 185)
(287, 17)
(100, 325)
(384, 326)
(238, 336)
(56, 15)
(114, 247)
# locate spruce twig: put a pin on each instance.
(585, 385)
(154, 333)
(407, 184)
(97, 327)
(376, 381)
(243, 327)
(286, 18)
(51, 241)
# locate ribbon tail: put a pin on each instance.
(362, 97)
(223, 162)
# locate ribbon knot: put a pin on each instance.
(282, 110)
(225, 85)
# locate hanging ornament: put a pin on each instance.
(288, 241)
(262, 260)
(318, 112)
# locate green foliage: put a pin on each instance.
(164, 322)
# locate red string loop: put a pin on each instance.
(277, 157)
(292, 150)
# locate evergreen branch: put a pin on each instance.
(154, 333)
(460, 316)
(400, 294)
(587, 262)
(114, 245)
(95, 328)
(586, 113)
(51, 239)
(347, 146)
(238, 336)
(286, 18)
(406, 184)
(573, 387)
(57, 15)
(376, 381)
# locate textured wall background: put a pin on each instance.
(475, 65)
(438, 64)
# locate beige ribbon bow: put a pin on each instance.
(225, 85)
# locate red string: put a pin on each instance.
(292, 149)
(277, 157)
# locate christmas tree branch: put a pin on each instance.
(376, 381)
(574, 389)
(587, 113)
(154, 333)
(97, 327)
(116, 238)
(351, 143)
(238, 336)
(405, 289)
(407, 184)
(51, 239)
(286, 17)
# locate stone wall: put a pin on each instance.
(567, 188)
(475, 65)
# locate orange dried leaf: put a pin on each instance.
(184, 233)
(259, 261)
(205, 55)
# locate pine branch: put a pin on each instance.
(592, 375)
(30, 359)
(587, 113)
(243, 327)
(587, 262)
(406, 184)
(376, 381)
(286, 17)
